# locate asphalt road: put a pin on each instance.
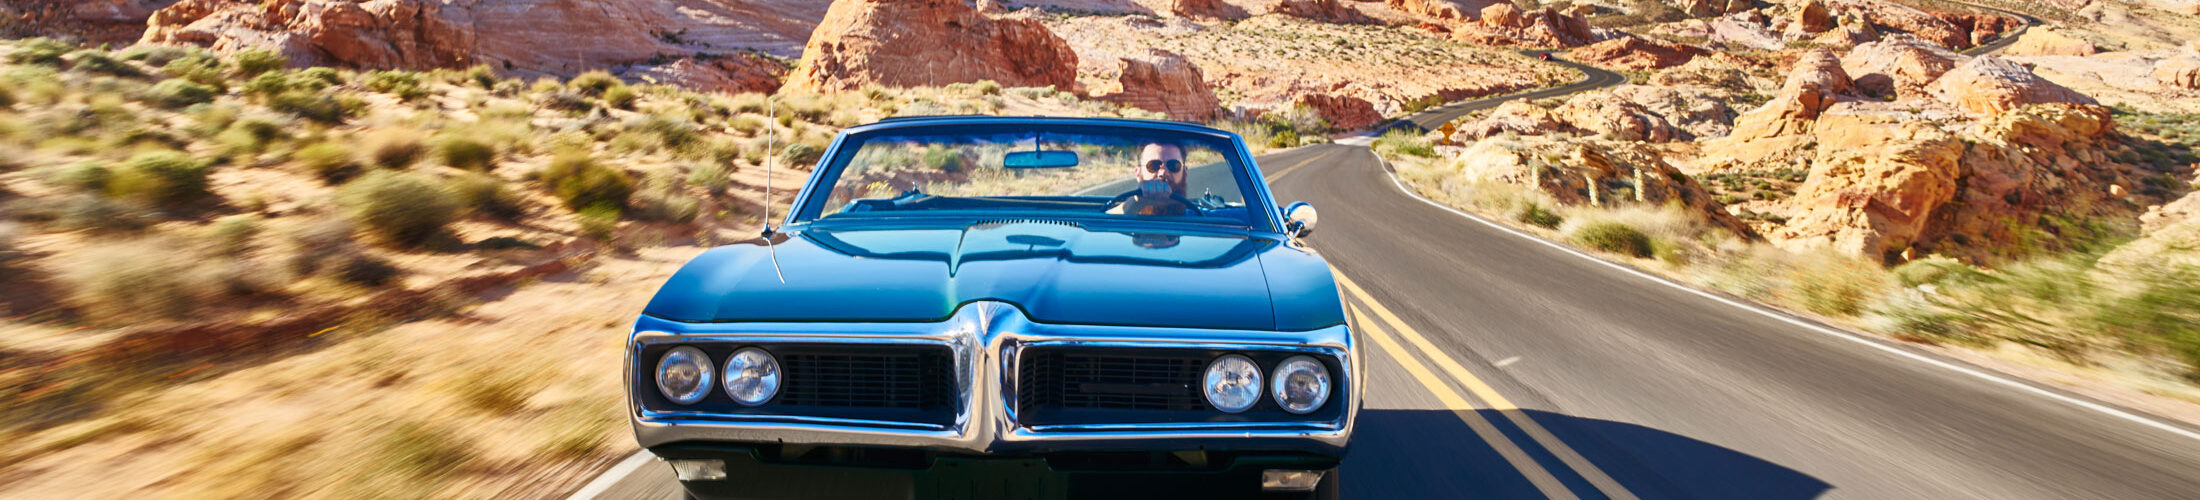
(1504, 367)
(1431, 118)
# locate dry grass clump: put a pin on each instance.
(403, 209)
(165, 178)
(126, 282)
(577, 178)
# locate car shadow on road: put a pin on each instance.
(1436, 454)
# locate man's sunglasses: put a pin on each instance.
(1156, 165)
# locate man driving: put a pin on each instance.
(1160, 171)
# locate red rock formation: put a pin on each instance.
(1342, 112)
(1813, 17)
(1981, 27)
(2178, 72)
(1502, 24)
(1994, 85)
(94, 22)
(907, 43)
(1898, 66)
(1446, 10)
(1816, 81)
(1205, 9)
(1165, 82)
(730, 74)
(1632, 52)
(519, 37)
(1328, 11)
(1708, 8)
(1897, 17)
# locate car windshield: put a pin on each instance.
(1035, 171)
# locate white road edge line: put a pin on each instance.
(2113, 412)
(603, 482)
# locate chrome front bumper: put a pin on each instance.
(985, 338)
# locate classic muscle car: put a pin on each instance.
(1007, 307)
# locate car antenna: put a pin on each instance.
(771, 132)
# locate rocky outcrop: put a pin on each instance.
(729, 74)
(1616, 119)
(1328, 11)
(1812, 17)
(2181, 72)
(1816, 81)
(1633, 52)
(1890, 16)
(1992, 85)
(1443, 10)
(1569, 170)
(95, 22)
(1502, 24)
(1206, 9)
(1899, 66)
(1515, 116)
(517, 37)
(1981, 28)
(1165, 82)
(905, 43)
(2044, 41)
(1708, 8)
(1624, 113)
(1342, 112)
(1873, 187)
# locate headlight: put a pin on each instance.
(684, 375)
(752, 376)
(1302, 385)
(1233, 383)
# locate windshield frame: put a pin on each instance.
(1259, 203)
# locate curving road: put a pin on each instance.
(1502, 366)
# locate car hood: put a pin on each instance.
(1055, 271)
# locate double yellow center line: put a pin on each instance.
(1459, 404)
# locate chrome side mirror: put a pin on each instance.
(1299, 218)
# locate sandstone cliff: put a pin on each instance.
(907, 43)
(1165, 82)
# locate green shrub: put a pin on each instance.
(86, 176)
(310, 105)
(482, 76)
(1932, 269)
(487, 196)
(1534, 213)
(711, 176)
(395, 149)
(582, 183)
(989, 87)
(662, 199)
(594, 83)
(566, 100)
(465, 152)
(357, 267)
(403, 84)
(600, 222)
(1614, 237)
(267, 85)
(157, 55)
(198, 68)
(803, 155)
(250, 136)
(316, 78)
(165, 178)
(620, 97)
(97, 61)
(252, 63)
(1283, 139)
(1837, 285)
(233, 235)
(330, 161)
(402, 209)
(176, 93)
(133, 281)
(92, 212)
(40, 51)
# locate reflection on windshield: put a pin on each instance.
(997, 242)
(1144, 174)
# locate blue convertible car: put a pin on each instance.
(1007, 307)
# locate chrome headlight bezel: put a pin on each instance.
(758, 378)
(705, 374)
(1239, 376)
(1295, 366)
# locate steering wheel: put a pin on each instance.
(1178, 197)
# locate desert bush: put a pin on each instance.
(2163, 313)
(594, 83)
(1284, 138)
(250, 136)
(165, 178)
(402, 209)
(357, 267)
(1402, 142)
(92, 212)
(988, 87)
(620, 97)
(97, 61)
(1298, 119)
(403, 84)
(40, 51)
(1932, 269)
(465, 152)
(480, 75)
(803, 155)
(422, 450)
(310, 105)
(565, 100)
(711, 176)
(156, 55)
(269, 84)
(330, 161)
(663, 199)
(233, 235)
(316, 78)
(494, 391)
(487, 196)
(600, 222)
(198, 68)
(176, 93)
(1836, 285)
(85, 176)
(1533, 213)
(395, 149)
(1614, 237)
(251, 63)
(137, 280)
(582, 183)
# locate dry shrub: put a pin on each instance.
(1613, 237)
(331, 161)
(465, 152)
(402, 209)
(137, 280)
(395, 149)
(578, 179)
(165, 178)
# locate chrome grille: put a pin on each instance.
(916, 379)
(1084, 380)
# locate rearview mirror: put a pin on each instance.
(1299, 218)
(1040, 159)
